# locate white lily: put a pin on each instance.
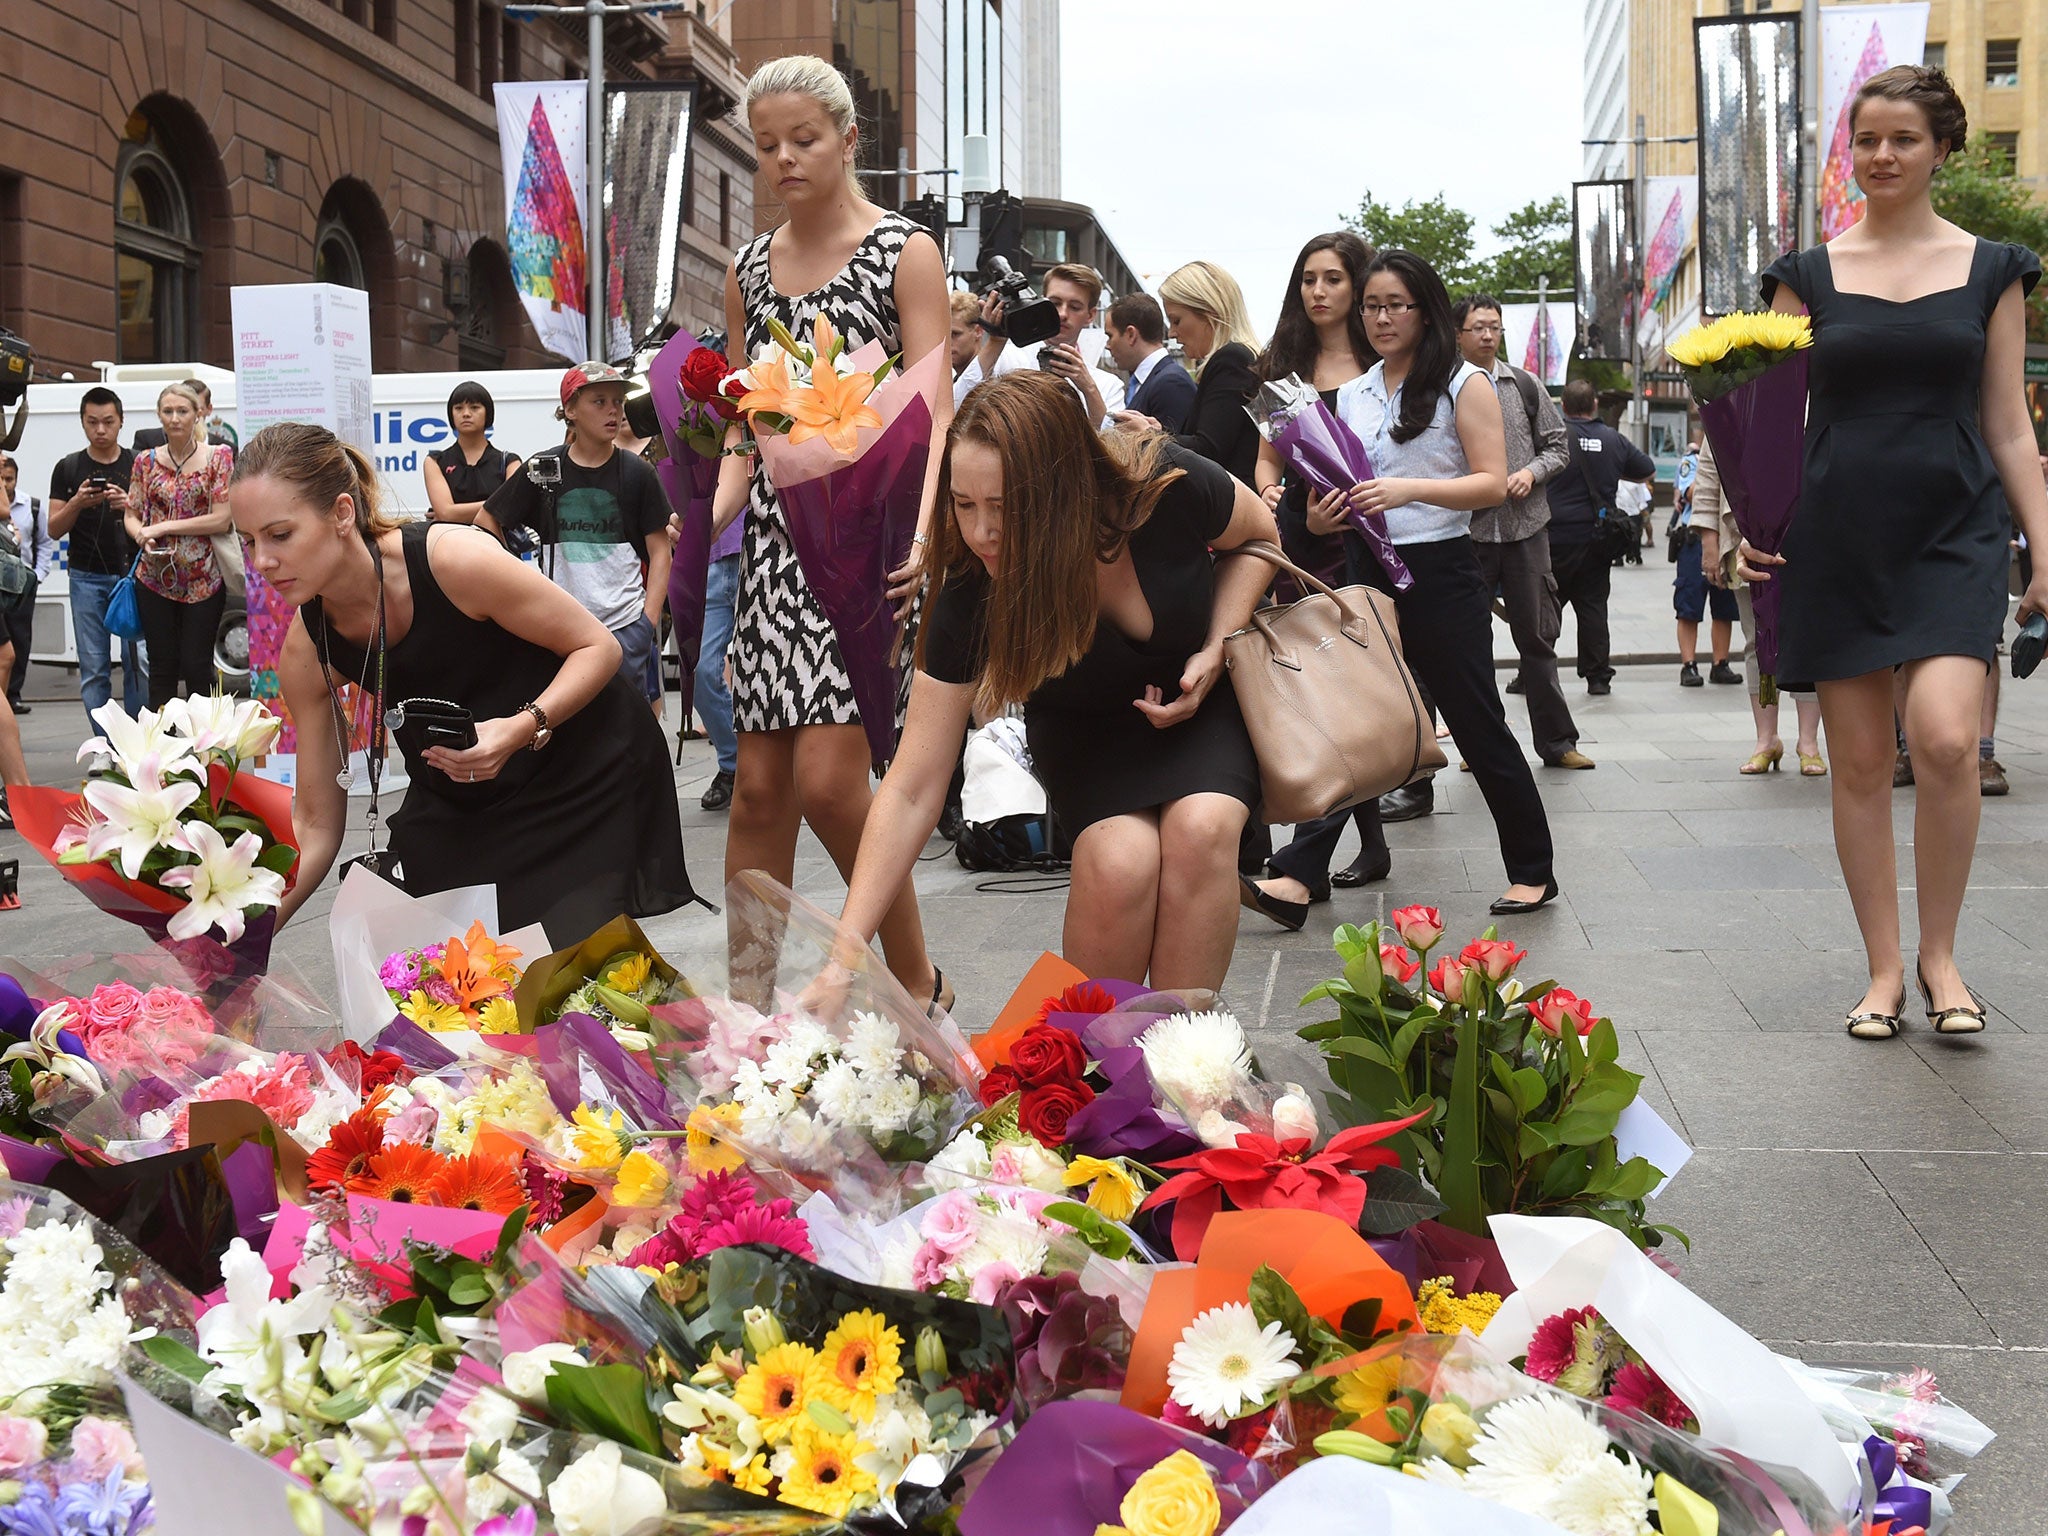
(45, 1051)
(135, 821)
(128, 741)
(218, 726)
(224, 882)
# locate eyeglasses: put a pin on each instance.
(1482, 330)
(1396, 310)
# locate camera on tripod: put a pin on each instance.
(1026, 316)
(17, 364)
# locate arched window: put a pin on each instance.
(156, 259)
(336, 257)
(489, 321)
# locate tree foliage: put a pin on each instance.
(1977, 190)
(1440, 234)
(1535, 242)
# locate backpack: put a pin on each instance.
(1010, 844)
(1532, 392)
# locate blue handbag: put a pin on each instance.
(124, 607)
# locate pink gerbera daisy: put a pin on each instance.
(1639, 1389)
(1554, 1346)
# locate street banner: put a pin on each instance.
(1749, 104)
(541, 141)
(1538, 337)
(1673, 206)
(1603, 268)
(1856, 42)
(647, 141)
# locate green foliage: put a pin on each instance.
(1440, 234)
(1317, 1344)
(607, 1400)
(1977, 190)
(1101, 1234)
(1517, 1120)
(1536, 243)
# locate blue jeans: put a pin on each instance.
(90, 592)
(714, 699)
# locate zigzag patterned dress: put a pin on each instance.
(786, 667)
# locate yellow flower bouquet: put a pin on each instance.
(1729, 352)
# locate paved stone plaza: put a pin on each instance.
(1850, 1202)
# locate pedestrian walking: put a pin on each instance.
(1920, 455)
(802, 754)
(177, 501)
(1440, 454)
(1512, 540)
(1587, 528)
(1694, 591)
(88, 500)
(1074, 571)
(565, 800)
(461, 477)
(1205, 313)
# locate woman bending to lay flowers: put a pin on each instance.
(1076, 575)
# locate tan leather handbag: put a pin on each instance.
(1334, 715)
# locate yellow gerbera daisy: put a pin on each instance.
(642, 1181)
(860, 1360)
(707, 1153)
(1111, 1191)
(498, 1017)
(824, 1477)
(776, 1387)
(428, 1014)
(603, 1139)
(1371, 1388)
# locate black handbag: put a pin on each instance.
(1615, 534)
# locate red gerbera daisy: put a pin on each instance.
(403, 1172)
(350, 1146)
(480, 1183)
(1081, 997)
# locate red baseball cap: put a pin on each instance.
(583, 375)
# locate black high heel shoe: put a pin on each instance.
(1963, 1019)
(942, 999)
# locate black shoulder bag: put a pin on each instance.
(1613, 535)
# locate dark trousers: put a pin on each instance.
(180, 640)
(1583, 579)
(1447, 638)
(1521, 570)
(21, 629)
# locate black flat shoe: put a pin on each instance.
(1359, 872)
(1504, 907)
(1410, 802)
(1291, 915)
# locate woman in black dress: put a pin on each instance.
(461, 477)
(566, 803)
(1919, 457)
(1205, 313)
(1075, 575)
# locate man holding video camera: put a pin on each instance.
(88, 496)
(1074, 291)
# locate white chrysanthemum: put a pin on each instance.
(1008, 1235)
(1225, 1362)
(962, 1162)
(873, 1044)
(888, 1104)
(1608, 1497)
(787, 1063)
(1199, 1060)
(837, 1091)
(1526, 1446)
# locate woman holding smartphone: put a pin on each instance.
(1441, 454)
(548, 779)
(177, 500)
(1920, 456)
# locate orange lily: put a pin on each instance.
(490, 954)
(472, 980)
(834, 407)
(771, 394)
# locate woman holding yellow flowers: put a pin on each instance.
(872, 276)
(1919, 455)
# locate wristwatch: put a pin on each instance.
(544, 733)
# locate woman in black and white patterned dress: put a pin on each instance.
(876, 276)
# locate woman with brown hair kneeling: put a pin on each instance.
(1075, 575)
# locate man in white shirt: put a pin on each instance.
(1076, 291)
(31, 520)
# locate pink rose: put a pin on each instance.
(163, 1007)
(1448, 977)
(1496, 957)
(99, 1446)
(989, 1280)
(951, 1224)
(1557, 1007)
(1419, 927)
(929, 1266)
(115, 1005)
(22, 1443)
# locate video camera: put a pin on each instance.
(17, 367)
(1026, 316)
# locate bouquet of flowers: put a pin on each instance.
(1748, 373)
(845, 441)
(1314, 441)
(171, 835)
(460, 983)
(616, 976)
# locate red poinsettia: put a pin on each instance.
(1261, 1173)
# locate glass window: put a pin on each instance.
(2002, 61)
(974, 87)
(1051, 246)
(336, 257)
(155, 257)
(1935, 56)
(867, 48)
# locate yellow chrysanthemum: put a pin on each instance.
(707, 1153)
(602, 1139)
(428, 1014)
(498, 1017)
(776, 1387)
(860, 1360)
(1369, 1389)
(1443, 1311)
(824, 1477)
(642, 1181)
(1768, 331)
(630, 974)
(1112, 1190)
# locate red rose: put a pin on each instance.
(730, 394)
(704, 372)
(1045, 1111)
(1048, 1054)
(1000, 1083)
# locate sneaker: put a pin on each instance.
(1599, 688)
(718, 793)
(1689, 676)
(1902, 771)
(1723, 673)
(1991, 777)
(1514, 685)
(1572, 759)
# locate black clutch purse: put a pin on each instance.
(422, 723)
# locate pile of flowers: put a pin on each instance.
(462, 983)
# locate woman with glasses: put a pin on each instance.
(1441, 453)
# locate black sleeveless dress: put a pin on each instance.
(472, 482)
(573, 835)
(1899, 549)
